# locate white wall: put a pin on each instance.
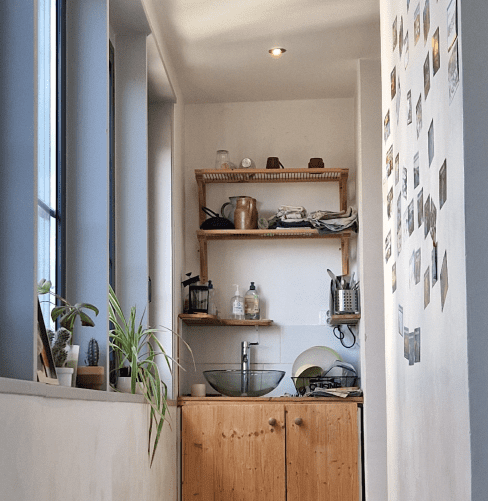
(58, 449)
(370, 245)
(427, 403)
(291, 275)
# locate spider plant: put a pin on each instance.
(138, 346)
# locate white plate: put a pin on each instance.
(320, 356)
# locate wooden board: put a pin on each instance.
(232, 454)
(211, 400)
(205, 319)
(322, 452)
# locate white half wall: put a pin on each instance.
(57, 449)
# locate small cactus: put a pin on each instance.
(59, 341)
(93, 352)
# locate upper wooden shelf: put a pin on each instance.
(270, 175)
(205, 319)
(262, 234)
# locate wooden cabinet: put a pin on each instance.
(270, 451)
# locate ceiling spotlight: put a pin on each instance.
(277, 52)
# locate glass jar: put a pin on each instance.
(222, 160)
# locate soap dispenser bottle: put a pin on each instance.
(237, 305)
(212, 307)
(251, 303)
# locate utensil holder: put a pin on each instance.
(346, 301)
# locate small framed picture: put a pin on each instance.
(418, 265)
(46, 370)
(431, 142)
(436, 58)
(453, 72)
(442, 184)
(409, 107)
(389, 161)
(387, 129)
(394, 32)
(420, 208)
(426, 20)
(418, 110)
(416, 170)
(416, 25)
(451, 23)
(411, 220)
(426, 76)
(393, 82)
(426, 287)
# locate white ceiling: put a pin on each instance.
(219, 48)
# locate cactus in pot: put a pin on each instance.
(93, 353)
(59, 341)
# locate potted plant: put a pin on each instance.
(137, 348)
(66, 314)
(59, 347)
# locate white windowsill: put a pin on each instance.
(20, 387)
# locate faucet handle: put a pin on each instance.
(253, 344)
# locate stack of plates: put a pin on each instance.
(315, 362)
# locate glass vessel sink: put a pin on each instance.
(244, 383)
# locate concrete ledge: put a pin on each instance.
(20, 387)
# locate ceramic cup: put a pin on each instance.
(198, 390)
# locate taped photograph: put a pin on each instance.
(416, 170)
(442, 185)
(418, 110)
(420, 208)
(431, 142)
(427, 75)
(436, 58)
(416, 25)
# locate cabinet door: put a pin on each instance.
(233, 453)
(322, 452)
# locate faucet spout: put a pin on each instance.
(245, 365)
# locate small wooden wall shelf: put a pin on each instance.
(204, 319)
(205, 235)
(348, 318)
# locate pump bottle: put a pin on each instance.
(237, 305)
(251, 303)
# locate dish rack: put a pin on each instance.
(305, 385)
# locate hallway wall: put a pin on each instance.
(423, 212)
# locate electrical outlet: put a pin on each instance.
(323, 317)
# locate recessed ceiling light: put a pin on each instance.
(276, 52)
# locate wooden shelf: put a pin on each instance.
(348, 318)
(205, 235)
(204, 319)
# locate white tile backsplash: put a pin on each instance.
(279, 346)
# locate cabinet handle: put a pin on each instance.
(272, 421)
(299, 421)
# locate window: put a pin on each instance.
(50, 147)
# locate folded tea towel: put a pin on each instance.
(331, 222)
(286, 212)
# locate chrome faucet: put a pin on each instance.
(245, 365)
(245, 351)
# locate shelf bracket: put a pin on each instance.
(202, 243)
(345, 254)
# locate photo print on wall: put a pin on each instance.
(427, 75)
(406, 50)
(444, 281)
(420, 208)
(427, 217)
(411, 218)
(418, 111)
(436, 58)
(404, 183)
(431, 142)
(416, 340)
(388, 246)
(409, 107)
(406, 234)
(387, 129)
(451, 24)
(400, 38)
(406, 343)
(453, 72)
(411, 267)
(389, 203)
(416, 25)
(393, 82)
(426, 287)
(397, 168)
(442, 184)
(400, 320)
(416, 170)
(389, 161)
(393, 278)
(426, 20)
(434, 264)
(418, 265)
(394, 34)
(433, 220)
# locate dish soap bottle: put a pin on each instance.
(237, 306)
(212, 307)
(251, 303)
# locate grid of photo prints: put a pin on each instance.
(415, 176)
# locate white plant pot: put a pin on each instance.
(72, 361)
(123, 385)
(65, 375)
